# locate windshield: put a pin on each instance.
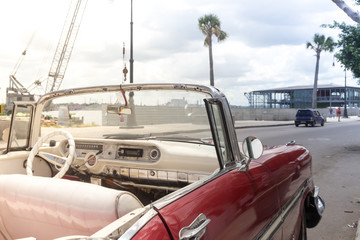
(173, 115)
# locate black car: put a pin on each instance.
(308, 117)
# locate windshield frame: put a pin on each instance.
(211, 92)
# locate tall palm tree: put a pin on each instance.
(209, 25)
(319, 44)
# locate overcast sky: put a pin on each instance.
(265, 48)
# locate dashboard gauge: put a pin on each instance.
(90, 159)
(154, 154)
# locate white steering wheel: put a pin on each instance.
(59, 161)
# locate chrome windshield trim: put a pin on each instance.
(211, 91)
(134, 229)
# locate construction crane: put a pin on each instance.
(65, 45)
(17, 92)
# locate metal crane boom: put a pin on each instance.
(65, 45)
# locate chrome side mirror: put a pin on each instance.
(5, 134)
(252, 147)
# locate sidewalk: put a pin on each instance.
(342, 119)
(254, 123)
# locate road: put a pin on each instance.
(335, 149)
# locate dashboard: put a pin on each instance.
(144, 162)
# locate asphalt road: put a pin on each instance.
(336, 168)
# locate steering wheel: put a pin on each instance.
(58, 161)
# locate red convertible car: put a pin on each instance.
(147, 161)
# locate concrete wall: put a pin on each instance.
(279, 114)
(146, 115)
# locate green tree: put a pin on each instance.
(349, 47)
(319, 44)
(210, 25)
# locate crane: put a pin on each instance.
(17, 92)
(65, 45)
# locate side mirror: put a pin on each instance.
(5, 134)
(252, 147)
(120, 110)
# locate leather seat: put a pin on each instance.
(47, 208)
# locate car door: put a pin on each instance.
(318, 117)
(15, 143)
(290, 167)
(230, 204)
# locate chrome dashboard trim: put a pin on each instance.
(154, 175)
(166, 200)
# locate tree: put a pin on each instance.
(210, 25)
(349, 47)
(354, 15)
(319, 44)
(349, 39)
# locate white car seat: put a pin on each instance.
(47, 208)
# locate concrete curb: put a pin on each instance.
(270, 125)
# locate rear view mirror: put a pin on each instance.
(120, 110)
(252, 147)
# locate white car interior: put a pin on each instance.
(79, 162)
(44, 207)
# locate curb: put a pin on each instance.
(357, 237)
(270, 125)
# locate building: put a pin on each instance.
(329, 95)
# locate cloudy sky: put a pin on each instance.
(265, 49)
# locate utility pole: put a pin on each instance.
(345, 100)
(131, 46)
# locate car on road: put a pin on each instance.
(148, 161)
(309, 117)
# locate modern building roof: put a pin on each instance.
(304, 87)
(301, 96)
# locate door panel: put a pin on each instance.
(14, 163)
(290, 168)
(237, 204)
(292, 222)
(153, 230)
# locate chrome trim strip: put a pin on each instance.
(280, 217)
(213, 92)
(138, 225)
(153, 174)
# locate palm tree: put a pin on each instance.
(320, 43)
(209, 25)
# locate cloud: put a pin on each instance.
(265, 48)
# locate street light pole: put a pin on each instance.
(345, 100)
(345, 95)
(131, 46)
